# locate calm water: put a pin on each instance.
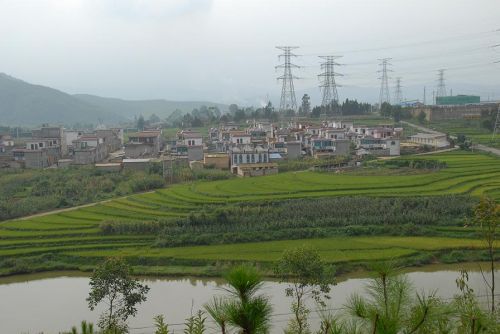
(51, 303)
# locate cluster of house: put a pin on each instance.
(256, 150)
(56, 146)
(253, 151)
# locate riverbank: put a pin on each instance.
(171, 267)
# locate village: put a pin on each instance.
(251, 149)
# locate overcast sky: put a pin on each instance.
(224, 50)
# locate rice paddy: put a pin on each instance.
(76, 233)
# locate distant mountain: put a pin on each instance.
(25, 104)
(131, 108)
(22, 103)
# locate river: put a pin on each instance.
(53, 302)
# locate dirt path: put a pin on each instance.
(40, 214)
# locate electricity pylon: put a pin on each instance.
(288, 100)
(384, 82)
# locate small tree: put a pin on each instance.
(389, 308)
(140, 123)
(160, 325)
(217, 309)
(308, 277)
(421, 117)
(487, 216)
(246, 310)
(111, 283)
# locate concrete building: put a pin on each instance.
(31, 158)
(249, 161)
(89, 150)
(452, 112)
(190, 138)
(195, 153)
(378, 146)
(216, 160)
(323, 147)
(435, 140)
(143, 144)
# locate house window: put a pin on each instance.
(235, 159)
(265, 157)
(248, 158)
(393, 142)
(253, 158)
(241, 159)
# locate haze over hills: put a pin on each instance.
(25, 104)
(131, 108)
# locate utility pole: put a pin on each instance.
(328, 84)
(441, 87)
(496, 128)
(288, 100)
(425, 98)
(384, 83)
(398, 98)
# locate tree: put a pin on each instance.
(390, 309)
(245, 309)
(160, 325)
(487, 216)
(217, 309)
(140, 123)
(154, 118)
(421, 117)
(308, 277)
(305, 108)
(233, 108)
(195, 324)
(111, 283)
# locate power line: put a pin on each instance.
(384, 82)
(328, 84)
(288, 100)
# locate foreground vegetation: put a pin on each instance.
(199, 228)
(389, 304)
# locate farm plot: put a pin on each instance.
(78, 232)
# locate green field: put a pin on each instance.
(75, 237)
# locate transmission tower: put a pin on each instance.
(398, 96)
(288, 101)
(496, 128)
(327, 81)
(441, 87)
(384, 83)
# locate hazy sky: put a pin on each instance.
(224, 50)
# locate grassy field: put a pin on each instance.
(75, 238)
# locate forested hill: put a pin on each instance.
(25, 104)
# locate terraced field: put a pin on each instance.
(76, 234)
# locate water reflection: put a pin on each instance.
(42, 302)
